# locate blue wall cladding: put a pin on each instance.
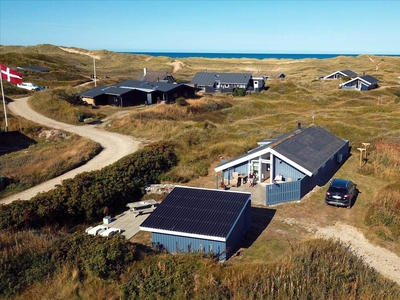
(176, 244)
(286, 170)
(242, 168)
(224, 250)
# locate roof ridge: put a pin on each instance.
(296, 132)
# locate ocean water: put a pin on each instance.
(243, 55)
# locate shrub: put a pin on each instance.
(181, 101)
(239, 92)
(25, 258)
(105, 258)
(84, 198)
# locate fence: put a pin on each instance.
(283, 192)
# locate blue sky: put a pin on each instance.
(324, 26)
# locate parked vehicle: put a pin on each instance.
(97, 229)
(111, 231)
(341, 192)
(30, 86)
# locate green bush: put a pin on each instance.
(181, 101)
(105, 258)
(239, 92)
(85, 197)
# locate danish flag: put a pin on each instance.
(10, 75)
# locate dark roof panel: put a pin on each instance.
(310, 147)
(34, 68)
(156, 86)
(198, 211)
(369, 79)
(208, 79)
(349, 73)
(94, 92)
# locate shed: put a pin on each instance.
(200, 220)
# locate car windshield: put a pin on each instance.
(333, 189)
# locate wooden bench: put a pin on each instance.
(143, 211)
(141, 207)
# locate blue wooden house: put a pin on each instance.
(362, 83)
(200, 220)
(340, 74)
(304, 157)
(227, 82)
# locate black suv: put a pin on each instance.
(340, 193)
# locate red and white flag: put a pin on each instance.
(10, 75)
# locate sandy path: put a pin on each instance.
(115, 146)
(381, 259)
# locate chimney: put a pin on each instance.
(299, 126)
(144, 71)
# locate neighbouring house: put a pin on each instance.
(362, 83)
(340, 74)
(131, 92)
(155, 76)
(200, 220)
(227, 82)
(281, 76)
(34, 68)
(305, 157)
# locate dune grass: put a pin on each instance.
(277, 263)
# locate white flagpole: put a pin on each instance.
(4, 102)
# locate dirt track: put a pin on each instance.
(115, 146)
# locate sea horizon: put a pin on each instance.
(247, 55)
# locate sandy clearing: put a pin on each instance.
(80, 52)
(382, 260)
(177, 64)
(115, 146)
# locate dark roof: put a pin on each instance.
(97, 91)
(309, 147)
(116, 91)
(156, 86)
(208, 79)
(156, 76)
(349, 73)
(34, 68)
(198, 211)
(369, 79)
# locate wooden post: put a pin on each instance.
(366, 146)
(361, 154)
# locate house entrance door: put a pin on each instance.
(255, 166)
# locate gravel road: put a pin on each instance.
(115, 146)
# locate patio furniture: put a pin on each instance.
(242, 179)
(141, 207)
(234, 180)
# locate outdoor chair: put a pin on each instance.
(234, 180)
